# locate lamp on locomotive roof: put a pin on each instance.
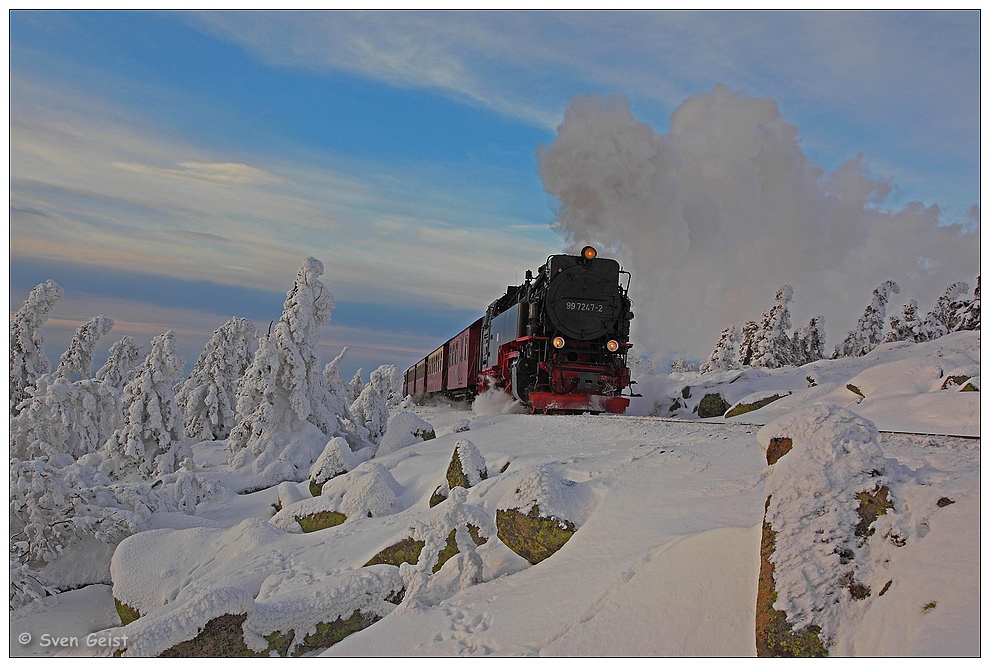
(589, 252)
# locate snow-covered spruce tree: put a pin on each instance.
(747, 344)
(773, 343)
(65, 420)
(77, 361)
(869, 329)
(907, 326)
(388, 379)
(258, 427)
(370, 410)
(149, 442)
(942, 318)
(283, 390)
(808, 344)
(27, 357)
(333, 380)
(334, 398)
(967, 313)
(723, 357)
(120, 367)
(683, 366)
(208, 397)
(356, 385)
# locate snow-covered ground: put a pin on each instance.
(666, 557)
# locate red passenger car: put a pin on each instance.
(435, 364)
(462, 363)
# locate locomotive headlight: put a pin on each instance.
(558, 342)
(612, 345)
(589, 253)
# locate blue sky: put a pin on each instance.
(172, 169)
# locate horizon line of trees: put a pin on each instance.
(770, 345)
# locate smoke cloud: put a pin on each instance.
(712, 219)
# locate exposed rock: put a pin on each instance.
(533, 536)
(753, 402)
(127, 613)
(223, 637)
(439, 495)
(775, 635)
(534, 520)
(327, 633)
(777, 448)
(957, 377)
(712, 405)
(467, 466)
(451, 549)
(319, 520)
(406, 550)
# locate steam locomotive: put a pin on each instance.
(556, 343)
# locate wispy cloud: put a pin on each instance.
(216, 172)
(125, 194)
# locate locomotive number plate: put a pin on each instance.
(582, 306)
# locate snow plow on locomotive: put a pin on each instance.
(557, 343)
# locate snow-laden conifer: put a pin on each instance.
(149, 440)
(356, 385)
(370, 410)
(119, 368)
(283, 392)
(941, 320)
(27, 357)
(747, 344)
(256, 402)
(869, 329)
(723, 357)
(967, 312)
(808, 344)
(208, 398)
(773, 343)
(907, 326)
(77, 361)
(388, 379)
(65, 420)
(338, 390)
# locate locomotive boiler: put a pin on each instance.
(557, 343)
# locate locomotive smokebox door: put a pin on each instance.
(583, 299)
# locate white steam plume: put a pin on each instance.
(714, 217)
